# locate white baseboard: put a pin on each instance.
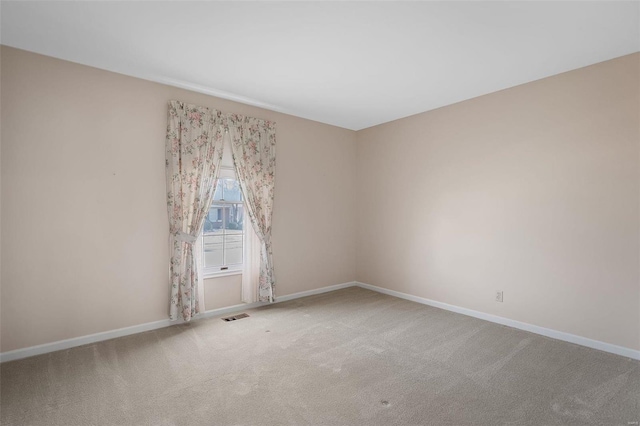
(316, 291)
(126, 331)
(112, 334)
(82, 340)
(559, 335)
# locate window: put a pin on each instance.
(223, 231)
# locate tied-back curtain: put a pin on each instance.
(251, 264)
(253, 144)
(193, 153)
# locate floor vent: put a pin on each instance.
(235, 317)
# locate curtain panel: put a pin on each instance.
(194, 148)
(193, 153)
(253, 144)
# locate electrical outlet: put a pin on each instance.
(499, 296)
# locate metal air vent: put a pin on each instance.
(235, 317)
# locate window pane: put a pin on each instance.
(234, 217)
(233, 248)
(231, 190)
(212, 246)
(223, 226)
(214, 220)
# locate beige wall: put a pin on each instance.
(533, 190)
(221, 292)
(84, 223)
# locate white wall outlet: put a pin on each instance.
(499, 296)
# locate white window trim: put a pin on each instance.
(218, 274)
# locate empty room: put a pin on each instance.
(319, 213)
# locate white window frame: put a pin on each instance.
(224, 270)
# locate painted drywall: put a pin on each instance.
(220, 292)
(533, 190)
(0, 205)
(84, 222)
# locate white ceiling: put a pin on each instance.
(350, 64)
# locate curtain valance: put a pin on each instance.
(202, 114)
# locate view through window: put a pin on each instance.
(223, 232)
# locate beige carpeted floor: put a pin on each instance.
(350, 357)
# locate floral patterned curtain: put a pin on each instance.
(193, 153)
(253, 143)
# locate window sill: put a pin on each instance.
(208, 275)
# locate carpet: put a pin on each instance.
(348, 357)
